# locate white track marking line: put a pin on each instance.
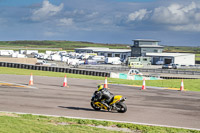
(138, 123)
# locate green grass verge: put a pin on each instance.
(197, 58)
(65, 45)
(27, 123)
(71, 45)
(39, 50)
(191, 69)
(189, 84)
(183, 49)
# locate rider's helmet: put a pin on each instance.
(100, 87)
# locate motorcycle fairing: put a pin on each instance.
(100, 105)
(116, 99)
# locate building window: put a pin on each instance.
(117, 55)
(136, 44)
(144, 59)
(109, 55)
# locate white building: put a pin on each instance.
(31, 52)
(28, 51)
(121, 53)
(176, 58)
(6, 52)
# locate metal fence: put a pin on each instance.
(56, 69)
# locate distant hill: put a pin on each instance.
(182, 49)
(71, 45)
(65, 45)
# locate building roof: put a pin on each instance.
(92, 48)
(168, 54)
(148, 46)
(114, 50)
(98, 49)
(146, 40)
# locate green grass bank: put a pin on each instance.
(63, 45)
(27, 123)
(71, 45)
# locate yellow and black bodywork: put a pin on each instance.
(116, 104)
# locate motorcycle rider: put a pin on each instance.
(104, 96)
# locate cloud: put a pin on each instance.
(104, 21)
(49, 33)
(93, 14)
(171, 14)
(187, 27)
(176, 14)
(47, 10)
(197, 17)
(66, 22)
(138, 15)
(173, 17)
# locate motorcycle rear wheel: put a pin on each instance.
(121, 107)
(95, 107)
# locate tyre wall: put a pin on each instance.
(55, 69)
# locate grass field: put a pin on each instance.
(182, 49)
(27, 123)
(197, 58)
(64, 45)
(39, 50)
(71, 45)
(189, 84)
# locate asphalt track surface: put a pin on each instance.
(47, 96)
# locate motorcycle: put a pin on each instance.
(116, 104)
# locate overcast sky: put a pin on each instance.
(173, 22)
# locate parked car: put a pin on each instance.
(167, 66)
(134, 72)
(135, 65)
(175, 66)
(116, 63)
(110, 60)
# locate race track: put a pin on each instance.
(47, 96)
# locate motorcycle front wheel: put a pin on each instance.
(121, 107)
(94, 106)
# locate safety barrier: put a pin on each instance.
(197, 62)
(170, 71)
(165, 77)
(123, 68)
(132, 77)
(56, 69)
(96, 72)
